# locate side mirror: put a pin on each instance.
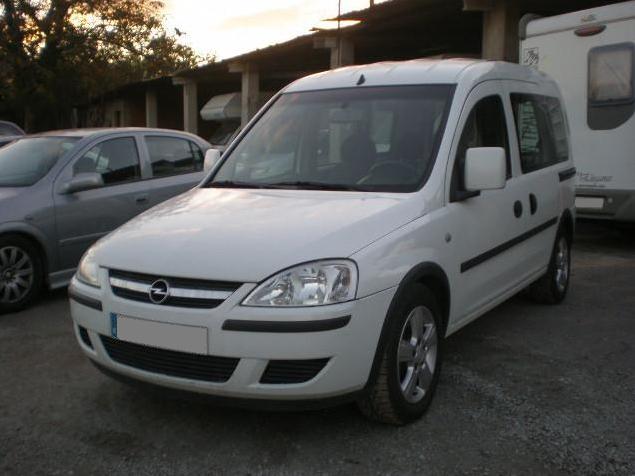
(81, 182)
(485, 168)
(212, 156)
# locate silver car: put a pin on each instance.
(62, 191)
(9, 132)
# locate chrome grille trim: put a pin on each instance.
(182, 292)
(176, 292)
(130, 285)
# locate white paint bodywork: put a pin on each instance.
(246, 235)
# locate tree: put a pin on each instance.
(55, 54)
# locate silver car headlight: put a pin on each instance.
(311, 284)
(88, 269)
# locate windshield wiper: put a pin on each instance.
(233, 184)
(302, 184)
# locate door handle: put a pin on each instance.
(140, 199)
(533, 203)
(518, 208)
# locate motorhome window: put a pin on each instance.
(541, 130)
(485, 127)
(611, 85)
(368, 138)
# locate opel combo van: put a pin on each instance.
(363, 216)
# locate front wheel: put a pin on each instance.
(552, 287)
(410, 362)
(21, 273)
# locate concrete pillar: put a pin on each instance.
(342, 50)
(343, 54)
(152, 111)
(250, 89)
(190, 103)
(126, 119)
(250, 93)
(190, 107)
(500, 27)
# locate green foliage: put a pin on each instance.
(55, 54)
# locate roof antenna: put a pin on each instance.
(361, 80)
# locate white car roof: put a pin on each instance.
(418, 71)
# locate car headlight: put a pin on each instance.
(311, 284)
(88, 269)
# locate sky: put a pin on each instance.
(228, 28)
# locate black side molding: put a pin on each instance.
(566, 174)
(471, 263)
(286, 326)
(84, 300)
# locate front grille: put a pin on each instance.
(292, 371)
(83, 335)
(182, 292)
(207, 368)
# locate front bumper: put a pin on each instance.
(343, 336)
(617, 205)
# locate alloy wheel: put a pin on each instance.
(562, 264)
(417, 354)
(16, 274)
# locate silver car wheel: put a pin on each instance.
(16, 274)
(417, 354)
(562, 264)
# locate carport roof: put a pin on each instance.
(392, 30)
(136, 87)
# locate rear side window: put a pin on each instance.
(7, 129)
(117, 160)
(611, 86)
(172, 156)
(484, 127)
(541, 130)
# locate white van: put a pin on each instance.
(591, 55)
(364, 215)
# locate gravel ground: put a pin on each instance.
(526, 389)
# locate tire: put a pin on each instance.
(21, 273)
(552, 287)
(406, 350)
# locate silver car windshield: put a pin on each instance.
(367, 139)
(25, 161)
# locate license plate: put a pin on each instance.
(159, 334)
(589, 202)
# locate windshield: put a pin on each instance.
(368, 139)
(25, 161)
(224, 132)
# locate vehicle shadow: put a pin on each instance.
(605, 236)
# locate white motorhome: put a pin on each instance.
(590, 54)
(225, 111)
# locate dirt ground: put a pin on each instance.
(526, 389)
